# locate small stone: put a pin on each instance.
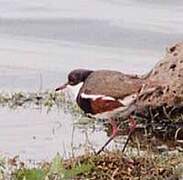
(162, 148)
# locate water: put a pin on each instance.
(42, 40)
(51, 38)
(35, 134)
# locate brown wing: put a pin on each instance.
(100, 105)
(111, 83)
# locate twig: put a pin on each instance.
(165, 113)
(176, 133)
(171, 111)
(72, 141)
(114, 174)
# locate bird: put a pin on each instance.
(105, 93)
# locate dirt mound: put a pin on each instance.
(164, 84)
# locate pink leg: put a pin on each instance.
(115, 128)
(132, 124)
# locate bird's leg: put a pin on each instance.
(115, 130)
(132, 124)
(115, 127)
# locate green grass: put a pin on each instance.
(54, 170)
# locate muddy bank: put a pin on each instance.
(166, 78)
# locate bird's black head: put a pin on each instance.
(78, 75)
(75, 77)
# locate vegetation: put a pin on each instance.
(141, 160)
(108, 165)
(53, 170)
(48, 100)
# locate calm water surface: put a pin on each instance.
(42, 40)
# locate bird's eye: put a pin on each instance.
(72, 79)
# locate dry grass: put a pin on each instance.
(110, 165)
(115, 165)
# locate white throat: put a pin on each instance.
(74, 90)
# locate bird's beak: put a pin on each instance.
(62, 87)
